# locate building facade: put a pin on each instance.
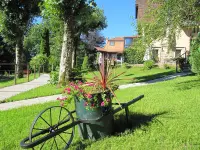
(159, 49)
(115, 47)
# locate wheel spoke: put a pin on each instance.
(45, 121)
(60, 115)
(52, 145)
(67, 132)
(64, 118)
(50, 117)
(42, 145)
(62, 138)
(56, 143)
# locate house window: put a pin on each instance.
(112, 43)
(178, 53)
(136, 13)
(155, 55)
(128, 42)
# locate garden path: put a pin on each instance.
(17, 104)
(19, 88)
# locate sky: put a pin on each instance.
(120, 17)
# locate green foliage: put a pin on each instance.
(166, 66)
(38, 60)
(44, 45)
(164, 19)
(54, 75)
(195, 55)
(85, 65)
(149, 64)
(134, 55)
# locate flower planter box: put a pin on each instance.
(97, 122)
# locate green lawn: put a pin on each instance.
(10, 81)
(135, 74)
(44, 90)
(166, 118)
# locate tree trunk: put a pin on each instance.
(18, 54)
(76, 43)
(66, 55)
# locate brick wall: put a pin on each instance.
(142, 5)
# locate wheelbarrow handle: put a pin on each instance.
(125, 105)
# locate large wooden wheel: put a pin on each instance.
(47, 124)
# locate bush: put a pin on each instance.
(134, 56)
(126, 65)
(54, 75)
(149, 64)
(85, 66)
(166, 66)
(195, 55)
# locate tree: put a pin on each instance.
(90, 24)
(16, 17)
(68, 11)
(91, 40)
(44, 45)
(195, 55)
(164, 19)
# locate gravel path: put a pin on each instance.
(17, 104)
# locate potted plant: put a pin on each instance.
(93, 101)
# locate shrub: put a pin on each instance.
(195, 55)
(134, 56)
(85, 65)
(166, 66)
(126, 65)
(54, 75)
(149, 64)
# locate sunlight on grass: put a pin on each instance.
(134, 74)
(44, 90)
(10, 81)
(166, 118)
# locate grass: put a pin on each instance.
(135, 74)
(41, 91)
(166, 118)
(9, 81)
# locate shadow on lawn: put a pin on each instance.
(5, 79)
(151, 77)
(188, 85)
(135, 121)
(120, 126)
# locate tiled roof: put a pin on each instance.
(100, 49)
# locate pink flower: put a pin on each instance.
(107, 99)
(64, 98)
(68, 90)
(76, 87)
(71, 84)
(102, 103)
(86, 103)
(80, 83)
(89, 84)
(89, 96)
(58, 98)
